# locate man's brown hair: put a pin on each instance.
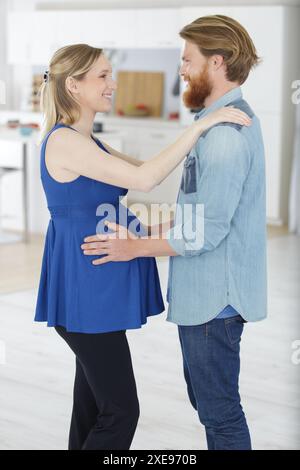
(221, 35)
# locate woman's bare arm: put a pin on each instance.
(74, 152)
(122, 156)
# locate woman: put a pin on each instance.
(91, 309)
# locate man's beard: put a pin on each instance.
(199, 89)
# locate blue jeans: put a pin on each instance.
(211, 359)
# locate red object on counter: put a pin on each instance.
(14, 124)
(141, 106)
(33, 125)
(174, 115)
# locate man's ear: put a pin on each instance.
(71, 85)
(216, 62)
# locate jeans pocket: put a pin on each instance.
(189, 177)
(234, 328)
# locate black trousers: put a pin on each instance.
(105, 403)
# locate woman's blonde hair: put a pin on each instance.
(221, 35)
(57, 102)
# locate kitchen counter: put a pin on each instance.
(13, 135)
(108, 120)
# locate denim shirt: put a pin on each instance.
(220, 224)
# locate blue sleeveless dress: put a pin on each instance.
(73, 292)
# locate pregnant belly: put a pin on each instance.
(69, 235)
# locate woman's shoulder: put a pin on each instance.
(62, 136)
(59, 131)
(59, 143)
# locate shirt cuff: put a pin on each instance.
(175, 238)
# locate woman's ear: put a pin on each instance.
(71, 85)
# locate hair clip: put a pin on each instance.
(46, 76)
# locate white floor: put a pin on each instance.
(37, 373)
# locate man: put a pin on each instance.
(217, 278)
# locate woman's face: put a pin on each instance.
(95, 90)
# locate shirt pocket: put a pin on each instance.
(189, 176)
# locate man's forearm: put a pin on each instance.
(159, 229)
(144, 247)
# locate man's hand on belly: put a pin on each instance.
(117, 245)
(122, 245)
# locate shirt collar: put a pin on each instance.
(229, 97)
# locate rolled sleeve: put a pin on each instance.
(224, 161)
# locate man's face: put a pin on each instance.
(195, 72)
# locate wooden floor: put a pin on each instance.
(37, 368)
(20, 264)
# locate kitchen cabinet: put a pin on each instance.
(144, 143)
(189, 14)
(11, 185)
(32, 37)
(158, 28)
(43, 32)
(70, 27)
(44, 37)
(113, 138)
(19, 26)
(106, 29)
(103, 29)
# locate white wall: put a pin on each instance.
(4, 70)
